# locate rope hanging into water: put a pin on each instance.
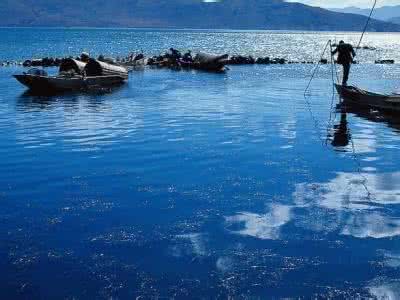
(355, 155)
(366, 25)
(317, 67)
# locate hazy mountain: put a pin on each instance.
(235, 14)
(383, 13)
(395, 20)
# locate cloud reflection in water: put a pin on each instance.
(387, 291)
(341, 205)
(345, 196)
(262, 226)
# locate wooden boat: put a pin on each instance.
(207, 62)
(75, 75)
(356, 96)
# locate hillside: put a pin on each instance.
(233, 14)
(385, 13)
(395, 20)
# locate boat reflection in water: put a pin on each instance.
(31, 99)
(341, 136)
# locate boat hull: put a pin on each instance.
(356, 96)
(44, 83)
(208, 62)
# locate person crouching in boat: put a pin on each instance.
(346, 56)
(187, 57)
(85, 57)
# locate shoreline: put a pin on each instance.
(178, 29)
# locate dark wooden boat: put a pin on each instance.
(74, 76)
(356, 96)
(207, 62)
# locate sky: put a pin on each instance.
(344, 3)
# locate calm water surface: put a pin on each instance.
(191, 184)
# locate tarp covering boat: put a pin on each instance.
(210, 62)
(204, 58)
(69, 64)
(98, 68)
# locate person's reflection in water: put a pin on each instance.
(341, 135)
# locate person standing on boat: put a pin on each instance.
(346, 56)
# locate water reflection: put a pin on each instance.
(341, 136)
(189, 244)
(360, 215)
(386, 291)
(365, 140)
(391, 259)
(43, 100)
(346, 191)
(341, 205)
(262, 226)
(375, 225)
(295, 213)
(391, 119)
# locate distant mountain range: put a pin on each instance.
(395, 20)
(386, 13)
(229, 14)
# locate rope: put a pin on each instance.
(354, 152)
(332, 112)
(334, 68)
(356, 159)
(316, 68)
(366, 25)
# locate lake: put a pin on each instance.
(199, 185)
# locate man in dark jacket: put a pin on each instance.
(345, 58)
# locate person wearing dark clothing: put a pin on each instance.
(187, 57)
(346, 56)
(175, 54)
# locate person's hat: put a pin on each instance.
(85, 55)
(341, 42)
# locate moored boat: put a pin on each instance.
(74, 75)
(209, 62)
(206, 62)
(356, 96)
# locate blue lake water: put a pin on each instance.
(193, 184)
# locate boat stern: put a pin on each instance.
(33, 82)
